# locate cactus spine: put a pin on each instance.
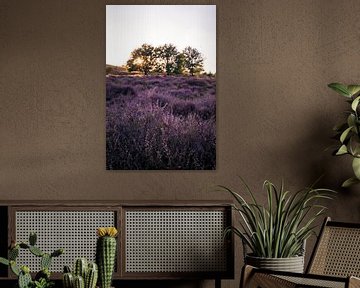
(106, 254)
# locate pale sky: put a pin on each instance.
(130, 26)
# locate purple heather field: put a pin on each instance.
(160, 123)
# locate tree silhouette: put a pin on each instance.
(143, 59)
(179, 64)
(167, 56)
(194, 61)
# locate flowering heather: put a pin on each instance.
(160, 122)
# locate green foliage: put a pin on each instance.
(166, 59)
(194, 61)
(42, 278)
(179, 68)
(142, 59)
(279, 229)
(348, 132)
(43, 283)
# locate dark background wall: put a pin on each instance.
(274, 111)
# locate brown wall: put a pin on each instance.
(275, 113)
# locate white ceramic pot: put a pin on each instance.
(291, 264)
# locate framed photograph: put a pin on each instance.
(160, 87)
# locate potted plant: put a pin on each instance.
(348, 132)
(276, 233)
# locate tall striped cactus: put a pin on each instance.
(106, 254)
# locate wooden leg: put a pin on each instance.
(246, 273)
(217, 283)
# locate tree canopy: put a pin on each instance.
(166, 59)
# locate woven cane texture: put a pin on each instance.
(300, 282)
(175, 241)
(261, 280)
(338, 252)
(75, 231)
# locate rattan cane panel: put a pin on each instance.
(75, 231)
(338, 253)
(175, 241)
(312, 282)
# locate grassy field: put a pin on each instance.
(160, 122)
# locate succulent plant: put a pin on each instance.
(106, 254)
(85, 275)
(42, 278)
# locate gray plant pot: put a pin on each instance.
(291, 264)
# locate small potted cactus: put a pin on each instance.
(85, 275)
(106, 254)
(42, 278)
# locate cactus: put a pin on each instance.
(79, 282)
(105, 254)
(91, 276)
(13, 253)
(42, 278)
(36, 251)
(44, 273)
(68, 280)
(24, 280)
(45, 261)
(80, 268)
(89, 272)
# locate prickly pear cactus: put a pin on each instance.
(32, 238)
(106, 254)
(24, 280)
(42, 278)
(45, 261)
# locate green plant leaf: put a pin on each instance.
(4, 261)
(340, 88)
(349, 182)
(351, 120)
(353, 89)
(356, 167)
(355, 103)
(342, 150)
(345, 134)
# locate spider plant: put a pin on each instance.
(279, 229)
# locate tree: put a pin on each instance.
(194, 61)
(179, 68)
(167, 57)
(143, 59)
